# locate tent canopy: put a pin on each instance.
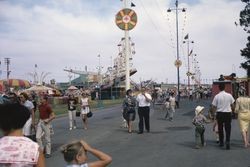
(72, 88)
(38, 88)
(15, 83)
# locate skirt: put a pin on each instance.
(131, 116)
(85, 110)
(244, 120)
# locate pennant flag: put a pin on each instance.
(186, 37)
(132, 4)
(190, 53)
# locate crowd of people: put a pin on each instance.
(223, 107)
(26, 139)
(19, 125)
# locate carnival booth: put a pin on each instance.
(39, 89)
(14, 83)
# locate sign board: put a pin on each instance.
(126, 19)
(177, 63)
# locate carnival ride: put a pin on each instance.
(114, 76)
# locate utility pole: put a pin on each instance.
(178, 63)
(7, 62)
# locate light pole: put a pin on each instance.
(188, 41)
(100, 75)
(177, 46)
(127, 53)
(111, 78)
(126, 20)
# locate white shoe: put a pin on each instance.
(74, 127)
(70, 128)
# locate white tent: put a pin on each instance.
(39, 88)
(72, 88)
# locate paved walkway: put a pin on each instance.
(169, 144)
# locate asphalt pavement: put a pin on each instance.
(169, 144)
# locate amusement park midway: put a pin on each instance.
(169, 144)
(51, 35)
(77, 67)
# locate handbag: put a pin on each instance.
(125, 114)
(89, 114)
(78, 113)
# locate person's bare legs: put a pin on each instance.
(129, 126)
(84, 119)
(245, 139)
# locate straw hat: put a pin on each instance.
(198, 109)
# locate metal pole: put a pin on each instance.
(127, 80)
(100, 75)
(177, 52)
(111, 85)
(188, 64)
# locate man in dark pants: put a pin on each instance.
(223, 104)
(143, 100)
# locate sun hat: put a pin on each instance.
(198, 109)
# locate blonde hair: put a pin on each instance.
(71, 150)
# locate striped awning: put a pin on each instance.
(15, 83)
(1, 88)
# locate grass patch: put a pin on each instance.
(60, 109)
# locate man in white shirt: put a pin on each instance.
(143, 100)
(223, 104)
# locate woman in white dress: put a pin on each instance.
(84, 109)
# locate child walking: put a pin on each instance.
(198, 121)
(167, 107)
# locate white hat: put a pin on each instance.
(198, 109)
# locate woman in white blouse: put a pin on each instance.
(84, 109)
